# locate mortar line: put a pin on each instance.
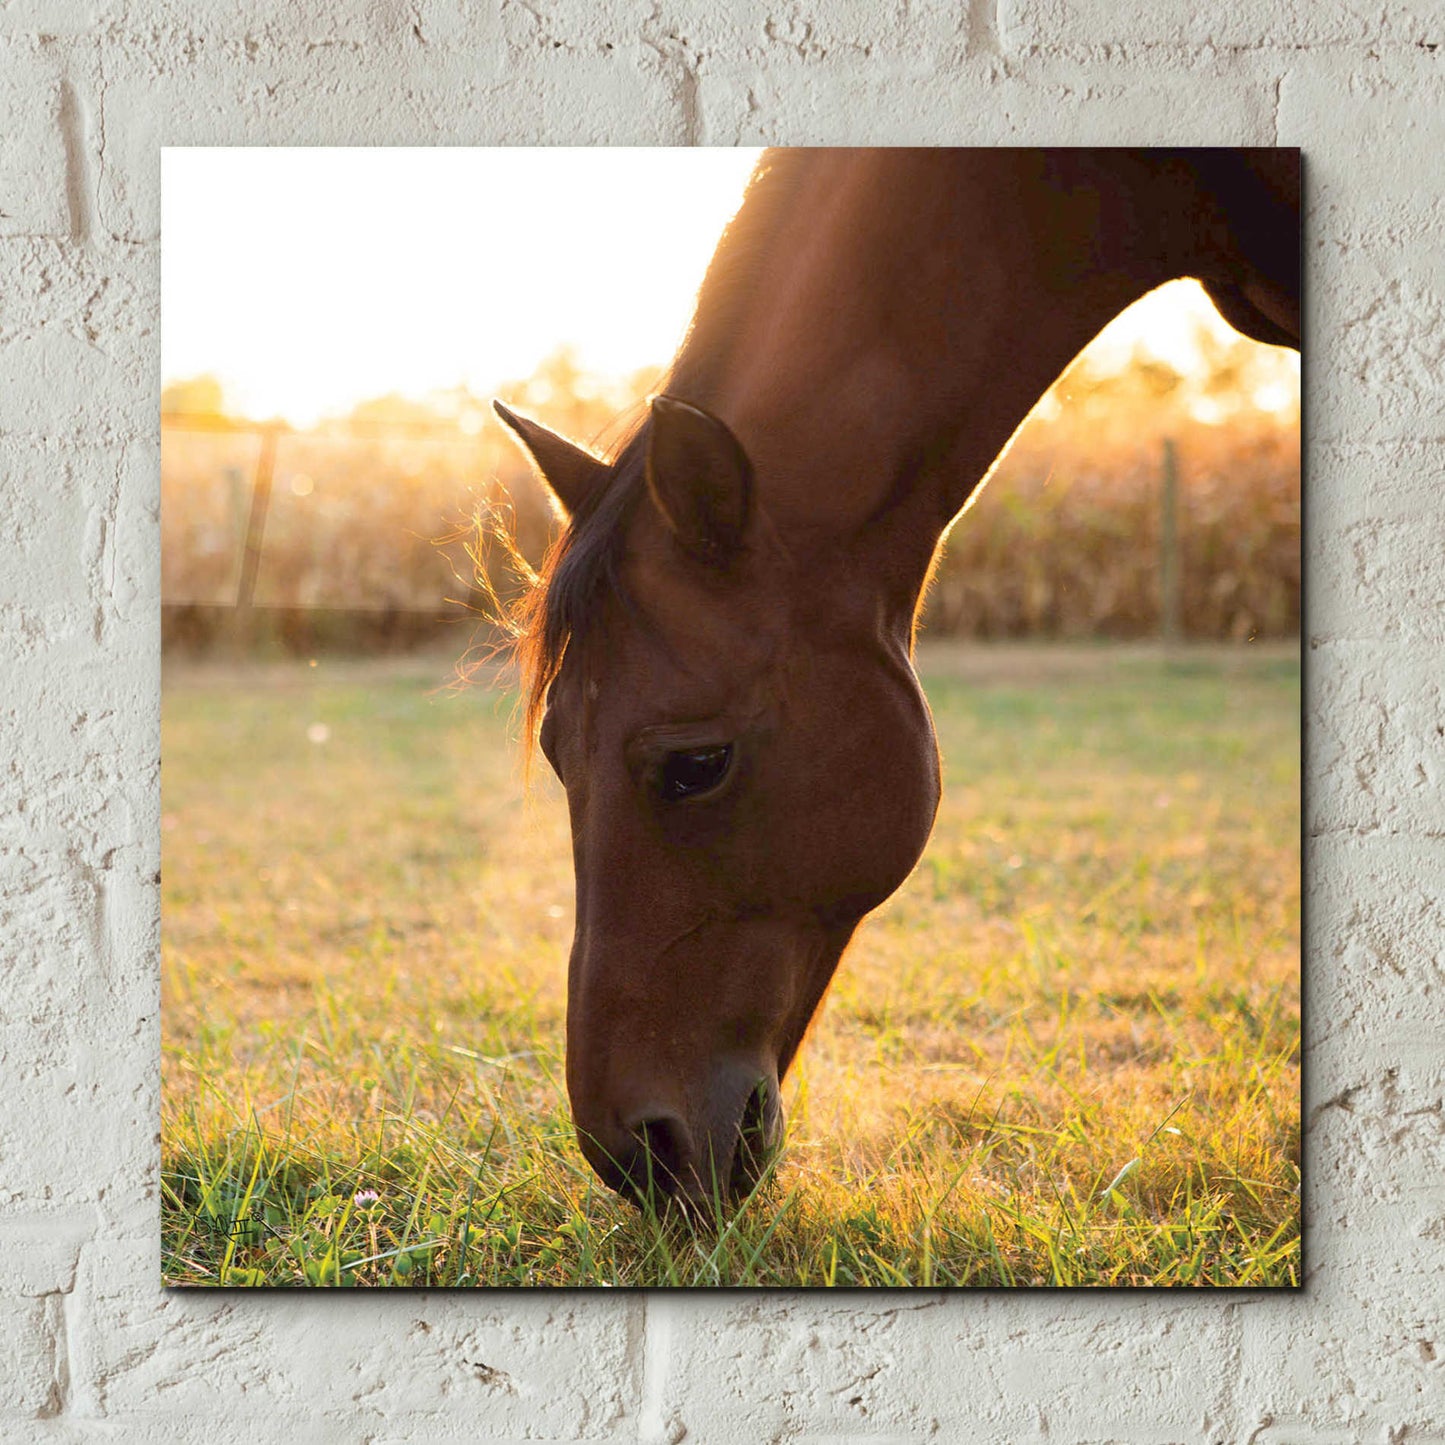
(984, 34)
(689, 85)
(60, 1396)
(656, 1352)
(74, 135)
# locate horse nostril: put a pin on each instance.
(664, 1153)
(759, 1132)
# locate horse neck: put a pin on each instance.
(916, 307)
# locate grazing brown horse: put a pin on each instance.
(720, 650)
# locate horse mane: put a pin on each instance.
(584, 564)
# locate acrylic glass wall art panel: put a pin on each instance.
(683, 827)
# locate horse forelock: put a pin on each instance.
(584, 566)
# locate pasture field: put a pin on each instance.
(1066, 1053)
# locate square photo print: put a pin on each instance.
(731, 718)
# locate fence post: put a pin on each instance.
(256, 526)
(1169, 622)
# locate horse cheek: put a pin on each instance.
(883, 796)
(903, 805)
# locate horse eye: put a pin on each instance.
(687, 775)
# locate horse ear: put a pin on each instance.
(569, 470)
(700, 479)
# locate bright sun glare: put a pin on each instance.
(307, 280)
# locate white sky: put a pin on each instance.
(310, 279)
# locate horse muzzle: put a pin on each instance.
(651, 1152)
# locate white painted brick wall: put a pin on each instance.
(89, 90)
(33, 100)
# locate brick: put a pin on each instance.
(1374, 740)
(551, 27)
(578, 100)
(473, 27)
(1203, 100)
(1382, 579)
(838, 34)
(80, 797)
(47, 916)
(1376, 1127)
(42, 522)
(57, 1086)
(323, 23)
(57, 385)
(750, 33)
(213, 1429)
(285, 98)
(31, 1370)
(59, 284)
(59, 18)
(30, 630)
(1054, 24)
(1369, 1364)
(854, 100)
(33, 160)
(75, 339)
(39, 1252)
(132, 1339)
(547, 1367)
(129, 201)
(851, 100)
(982, 1368)
(1377, 955)
(1369, 134)
(1354, 481)
(1381, 324)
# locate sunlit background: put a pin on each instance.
(308, 280)
(342, 318)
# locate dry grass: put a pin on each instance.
(1062, 543)
(1064, 540)
(1067, 1052)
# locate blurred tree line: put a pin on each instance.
(383, 526)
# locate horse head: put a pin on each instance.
(723, 643)
(750, 767)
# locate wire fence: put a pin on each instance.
(365, 537)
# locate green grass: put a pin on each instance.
(1065, 1053)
